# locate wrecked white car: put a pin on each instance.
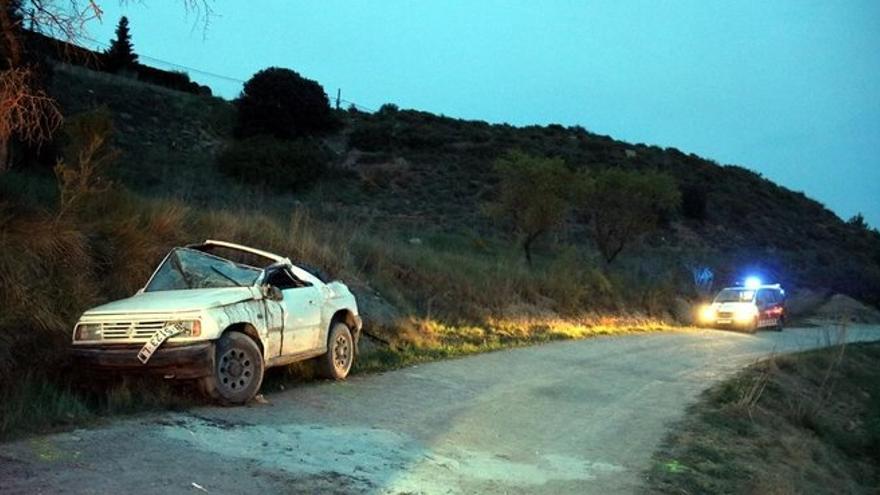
(205, 317)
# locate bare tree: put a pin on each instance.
(26, 111)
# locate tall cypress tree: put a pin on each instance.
(121, 54)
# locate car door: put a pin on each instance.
(773, 309)
(302, 319)
(302, 312)
(765, 302)
(274, 327)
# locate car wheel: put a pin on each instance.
(238, 370)
(337, 362)
(779, 324)
(753, 326)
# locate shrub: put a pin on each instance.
(424, 137)
(858, 221)
(372, 136)
(573, 284)
(281, 103)
(388, 109)
(693, 202)
(273, 162)
(176, 80)
(86, 155)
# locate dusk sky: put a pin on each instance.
(790, 89)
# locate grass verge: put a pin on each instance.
(802, 423)
(439, 341)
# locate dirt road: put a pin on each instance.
(568, 417)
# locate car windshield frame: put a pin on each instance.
(206, 271)
(735, 294)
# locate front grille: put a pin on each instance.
(124, 330)
(725, 314)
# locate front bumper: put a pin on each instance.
(727, 323)
(184, 361)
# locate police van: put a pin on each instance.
(749, 308)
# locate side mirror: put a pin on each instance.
(272, 293)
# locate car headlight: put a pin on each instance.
(745, 313)
(188, 328)
(706, 313)
(88, 331)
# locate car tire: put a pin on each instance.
(780, 324)
(238, 370)
(336, 363)
(753, 326)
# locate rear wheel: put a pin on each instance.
(337, 362)
(238, 370)
(780, 323)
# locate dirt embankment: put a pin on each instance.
(844, 308)
(807, 304)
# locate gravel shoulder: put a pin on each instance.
(567, 417)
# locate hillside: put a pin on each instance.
(399, 216)
(422, 175)
(736, 220)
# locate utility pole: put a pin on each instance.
(338, 97)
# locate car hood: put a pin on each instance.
(732, 306)
(170, 301)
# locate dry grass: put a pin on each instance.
(417, 340)
(100, 243)
(444, 302)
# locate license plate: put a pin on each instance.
(725, 322)
(157, 340)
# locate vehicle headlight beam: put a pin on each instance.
(744, 314)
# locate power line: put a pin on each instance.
(174, 64)
(215, 75)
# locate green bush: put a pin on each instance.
(281, 103)
(273, 162)
(372, 136)
(693, 202)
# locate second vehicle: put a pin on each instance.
(749, 308)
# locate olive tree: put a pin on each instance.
(620, 206)
(533, 195)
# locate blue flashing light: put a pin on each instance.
(752, 282)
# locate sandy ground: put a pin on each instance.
(569, 417)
